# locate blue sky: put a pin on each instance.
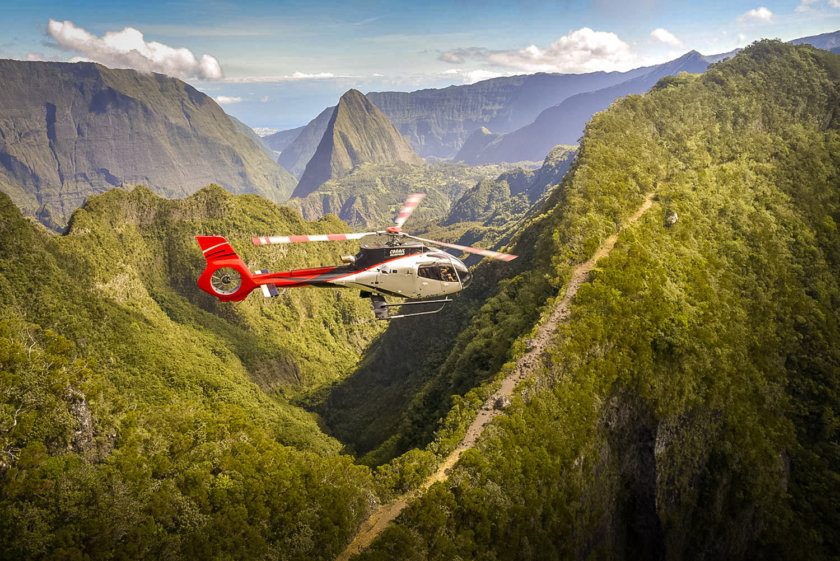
(277, 64)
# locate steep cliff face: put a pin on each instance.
(438, 121)
(300, 150)
(686, 407)
(280, 140)
(563, 123)
(68, 131)
(357, 133)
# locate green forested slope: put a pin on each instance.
(372, 194)
(393, 401)
(130, 426)
(689, 409)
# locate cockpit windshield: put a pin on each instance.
(463, 273)
(448, 271)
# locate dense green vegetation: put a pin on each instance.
(690, 407)
(372, 194)
(413, 382)
(130, 423)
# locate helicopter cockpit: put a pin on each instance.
(446, 271)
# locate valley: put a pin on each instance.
(656, 375)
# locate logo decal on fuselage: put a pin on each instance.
(397, 252)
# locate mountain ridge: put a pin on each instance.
(70, 130)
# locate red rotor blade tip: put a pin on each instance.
(410, 204)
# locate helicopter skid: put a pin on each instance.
(381, 311)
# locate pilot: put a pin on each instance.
(447, 274)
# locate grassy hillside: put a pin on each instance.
(141, 418)
(689, 407)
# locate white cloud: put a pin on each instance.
(757, 14)
(665, 36)
(834, 3)
(472, 76)
(284, 78)
(583, 50)
(128, 49)
(227, 100)
(317, 76)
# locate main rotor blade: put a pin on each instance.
(312, 238)
(410, 204)
(476, 250)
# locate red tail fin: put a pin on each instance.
(226, 276)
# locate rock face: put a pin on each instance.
(295, 155)
(357, 133)
(564, 123)
(476, 149)
(280, 140)
(437, 122)
(68, 131)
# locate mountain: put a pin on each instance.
(827, 41)
(685, 406)
(68, 131)
(564, 123)
(138, 414)
(483, 216)
(299, 151)
(357, 133)
(478, 148)
(371, 195)
(438, 121)
(280, 140)
(245, 130)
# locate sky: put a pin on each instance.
(277, 64)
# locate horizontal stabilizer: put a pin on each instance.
(268, 290)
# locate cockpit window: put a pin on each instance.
(463, 273)
(445, 273)
(429, 272)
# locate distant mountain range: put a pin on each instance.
(512, 118)
(564, 123)
(68, 131)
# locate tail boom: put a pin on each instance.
(225, 267)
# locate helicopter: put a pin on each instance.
(402, 266)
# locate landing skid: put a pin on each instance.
(381, 311)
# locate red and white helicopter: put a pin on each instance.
(401, 266)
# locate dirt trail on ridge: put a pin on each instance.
(525, 366)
